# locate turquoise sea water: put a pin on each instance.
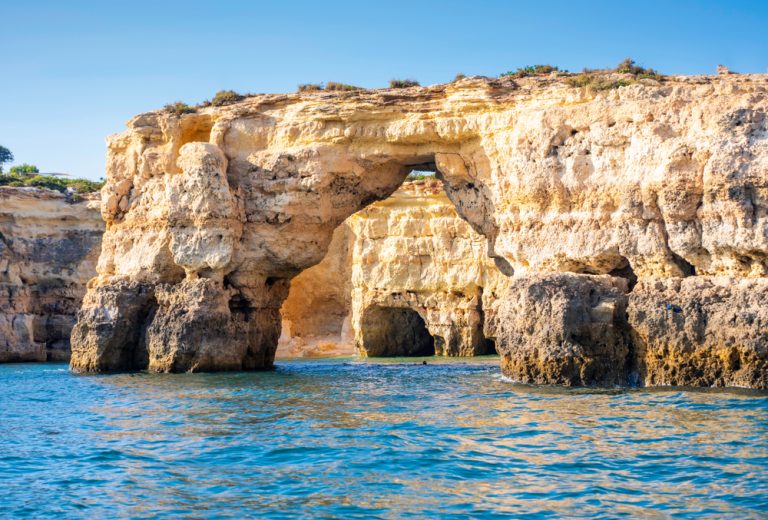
(344, 439)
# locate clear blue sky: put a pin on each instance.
(75, 71)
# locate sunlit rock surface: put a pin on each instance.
(413, 251)
(410, 252)
(49, 243)
(651, 180)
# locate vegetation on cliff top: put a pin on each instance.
(531, 70)
(594, 79)
(28, 175)
(226, 97)
(403, 83)
(599, 80)
(51, 182)
(330, 86)
(179, 108)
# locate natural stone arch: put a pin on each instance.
(216, 244)
(557, 178)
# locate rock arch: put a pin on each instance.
(559, 179)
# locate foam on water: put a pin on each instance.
(346, 438)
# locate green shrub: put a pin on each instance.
(628, 66)
(310, 87)
(596, 81)
(22, 169)
(84, 185)
(403, 83)
(226, 97)
(532, 70)
(179, 108)
(459, 77)
(333, 85)
(419, 176)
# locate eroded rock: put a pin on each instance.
(701, 331)
(659, 180)
(49, 243)
(565, 329)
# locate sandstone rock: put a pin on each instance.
(701, 331)
(565, 329)
(48, 250)
(651, 180)
(412, 252)
(316, 319)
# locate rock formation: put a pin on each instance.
(209, 215)
(565, 329)
(316, 315)
(49, 243)
(404, 262)
(416, 261)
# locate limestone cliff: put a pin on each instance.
(49, 244)
(409, 258)
(413, 252)
(216, 211)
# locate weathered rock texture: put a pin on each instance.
(413, 252)
(316, 316)
(575, 329)
(408, 261)
(653, 180)
(715, 332)
(49, 244)
(565, 329)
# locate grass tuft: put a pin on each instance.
(310, 87)
(531, 70)
(343, 87)
(226, 97)
(403, 83)
(179, 108)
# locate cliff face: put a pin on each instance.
(218, 210)
(48, 251)
(404, 262)
(414, 253)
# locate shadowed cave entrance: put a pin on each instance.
(395, 332)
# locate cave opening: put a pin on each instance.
(624, 270)
(489, 347)
(395, 332)
(134, 353)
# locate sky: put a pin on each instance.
(73, 72)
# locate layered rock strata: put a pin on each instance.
(49, 244)
(650, 181)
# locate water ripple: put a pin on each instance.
(347, 439)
